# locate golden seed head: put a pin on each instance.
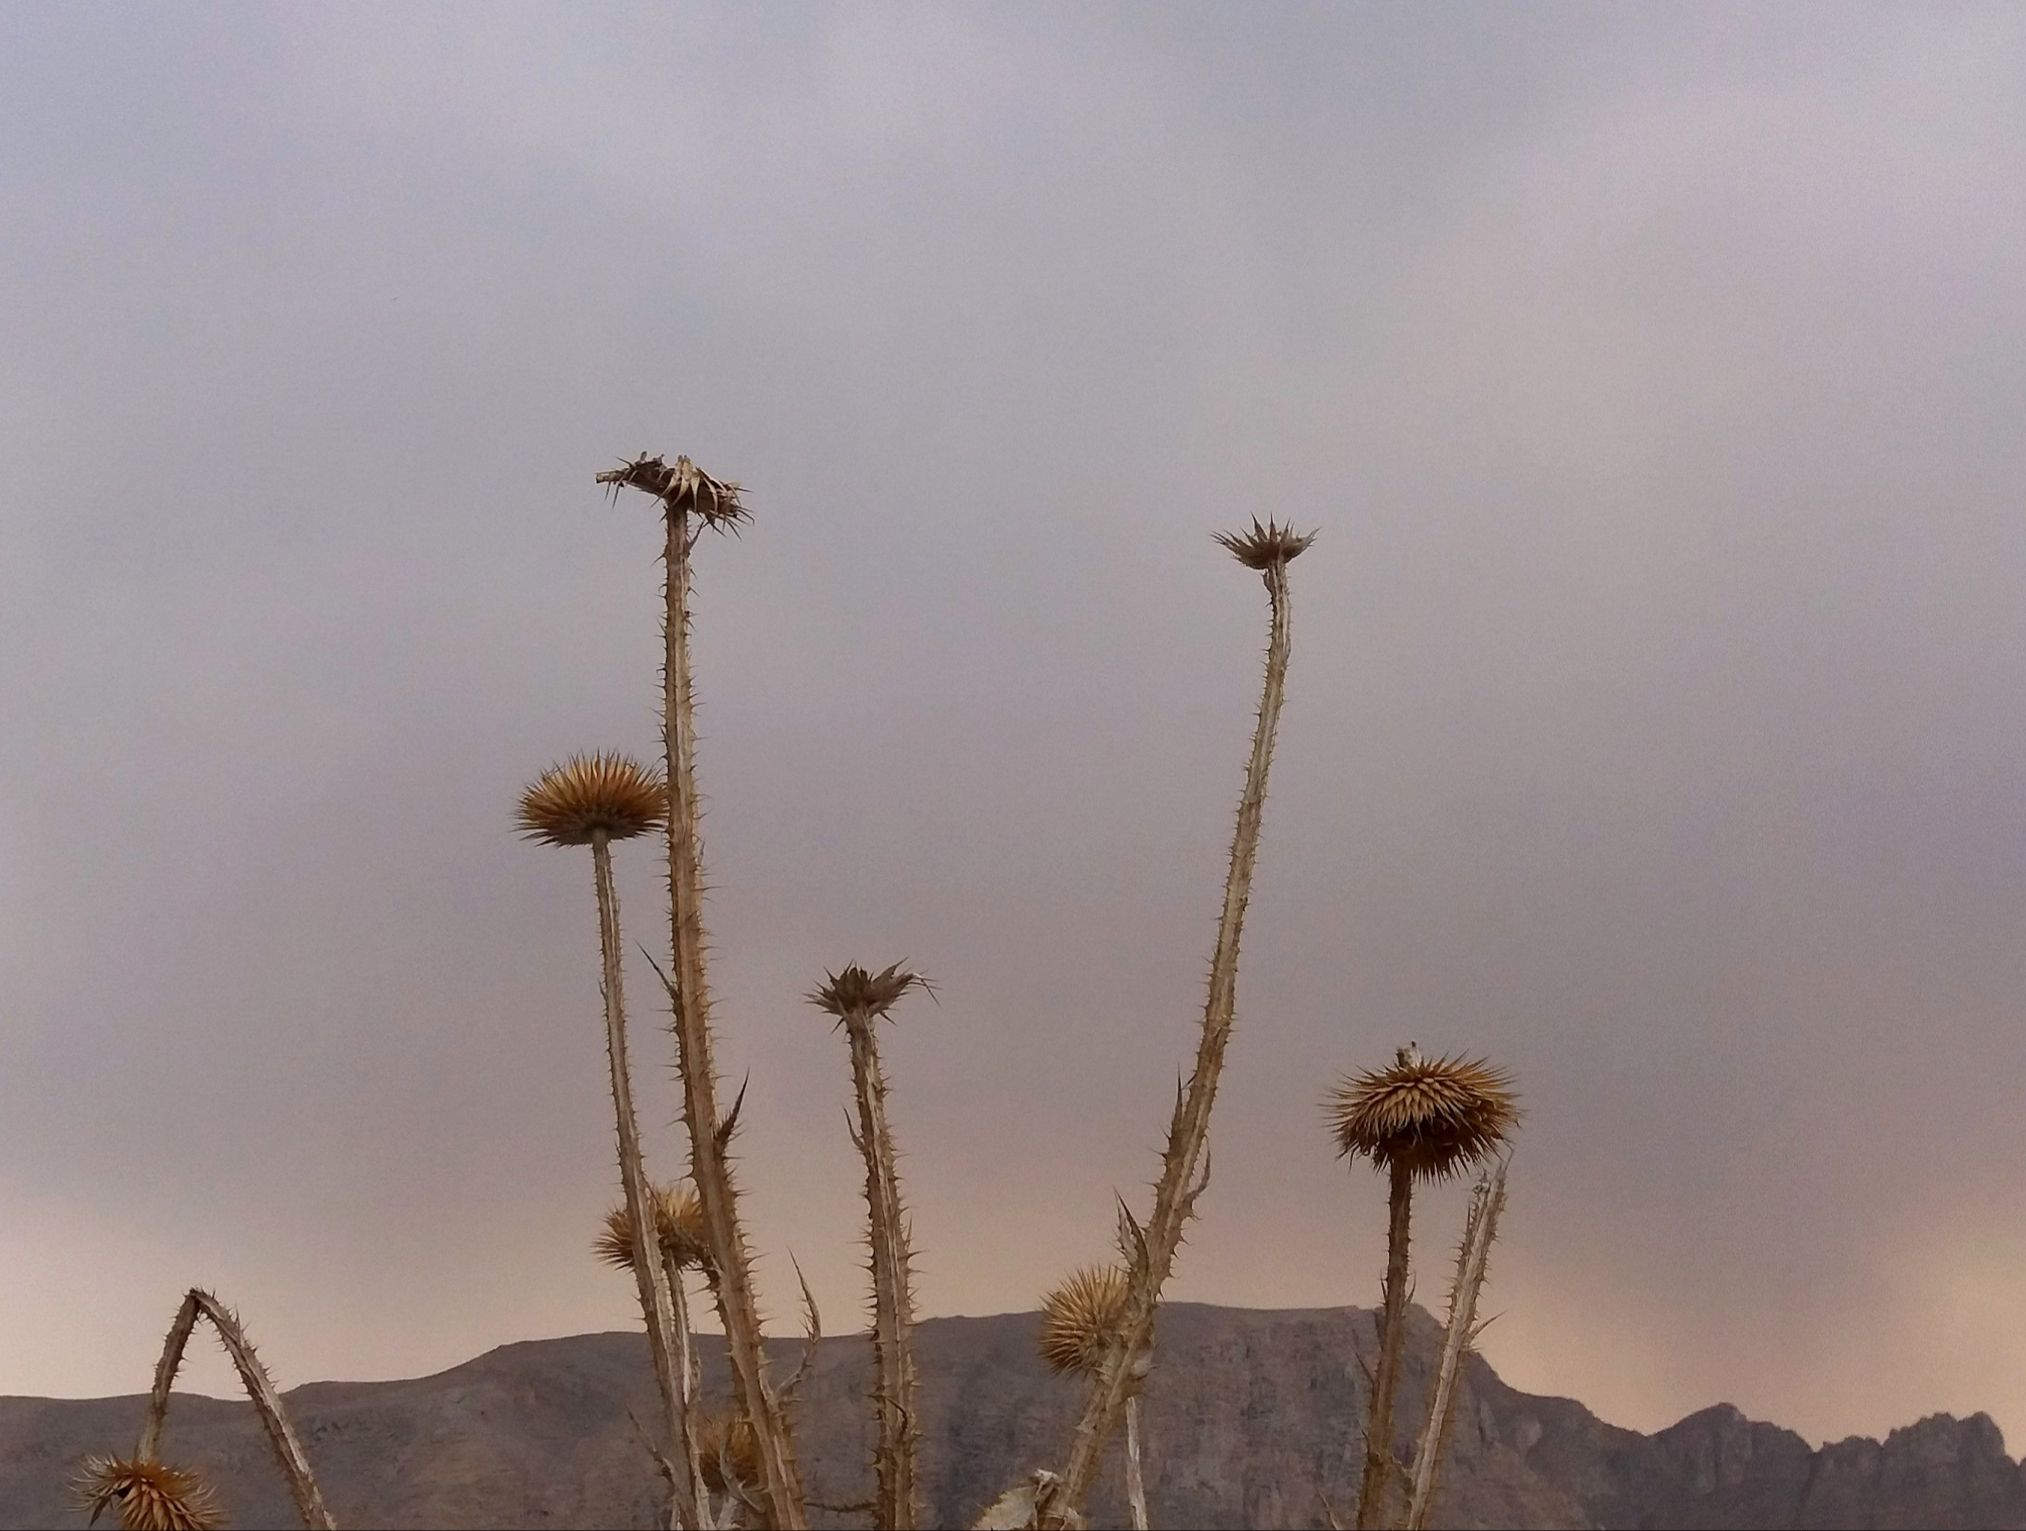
(1434, 1116)
(588, 793)
(1081, 1319)
(858, 992)
(150, 1496)
(1265, 547)
(727, 1451)
(678, 1224)
(683, 489)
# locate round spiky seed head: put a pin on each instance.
(727, 1452)
(1434, 1116)
(1266, 547)
(683, 489)
(858, 992)
(150, 1496)
(678, 1224)
(591, 793)
(1081, 1319)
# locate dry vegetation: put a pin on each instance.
(731, 1461)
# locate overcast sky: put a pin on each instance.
(1656, 720)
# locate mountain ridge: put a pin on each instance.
(1252, 1420)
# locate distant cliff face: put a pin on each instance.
(1252, 1420)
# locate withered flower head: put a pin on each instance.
(1264, 547)
(727, 1451)
(678, 1225)
(1434, 1116)
(683, 488)
(857, 992)
(1080, 1319)
(150, 1496)
(588, 793)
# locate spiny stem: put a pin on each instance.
(1375, 1488)
(165, 1378)
(1473, 1258)
(281, 1436)
(651, 1280)
(893, 1300)
(1183, 1163)
(780, 1497)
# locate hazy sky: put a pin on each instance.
(1656, 721)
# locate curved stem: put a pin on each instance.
(281, 1436)
(892, 1298)
(1184, 1160)
(649, 1277)
(780, 1488)
(1375, 1490)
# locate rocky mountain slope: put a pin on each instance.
(1251, 1421)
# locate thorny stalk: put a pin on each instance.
(1185, 1162)
(1473, 1258)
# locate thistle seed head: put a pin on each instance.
(683, 489)
(727, 1452)
(1265, 547)
(1081, 1319)
(150, 1496)
(1434, 1116)
(678, 1225)
(858, 992)
(588, 793)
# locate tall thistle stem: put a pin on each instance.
(780, 1488)
(1473, 1259)
(1374, 1489)
(1184, 1171)
(892, 1296)
(859, 999)
(593, 800)
(650, 1277)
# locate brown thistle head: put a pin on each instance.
(858, 992)
(678, 1225)
(591, 793)
(1081, 1319)
(1432, 1116)
(1266, 547)
(150, 1496)
(727, 1452)
(683, 489)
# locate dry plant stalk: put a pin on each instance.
(1185, 1162)
(683, 1243)
(1080, 1325)
(691, 501)
(1459, 1338)
(274, 1422)
(593, 800)
(1421, 1119)
(859, 998)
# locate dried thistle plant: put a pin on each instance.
(593, 800)
(1266, 549)
(858, 998)
(692, 501)
(1459, 1335)
(144, 1485)
(1420, 1119)
(1082, 1322)
(149, 1495)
